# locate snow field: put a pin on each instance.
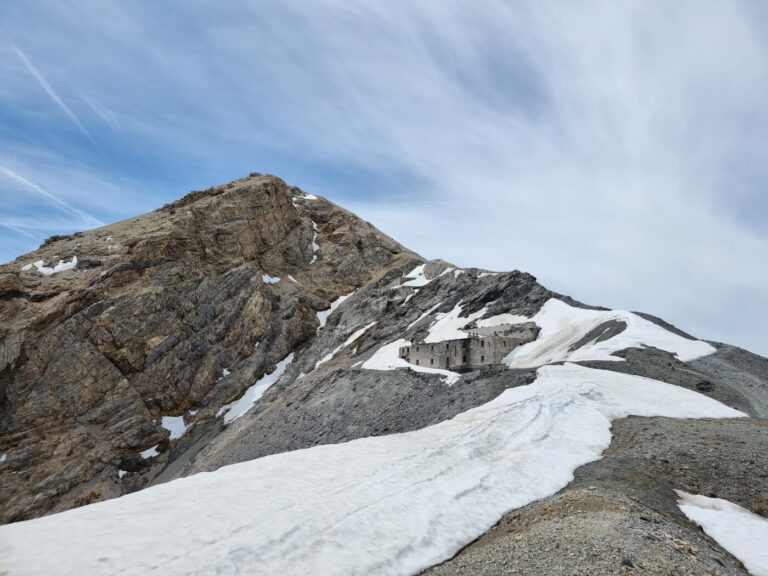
(742, 533)
(383, 505)
(563, 325)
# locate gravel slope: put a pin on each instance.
(622, 509)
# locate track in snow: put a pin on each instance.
(386, 505)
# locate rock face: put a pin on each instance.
(245, 320)
(157, 308)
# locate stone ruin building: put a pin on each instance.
(481, 347)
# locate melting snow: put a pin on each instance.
(418, 277)
(60, 267)
(234, 410)
(501, 319)
(175, 425)
(448, 324)
(270, 279)
(427, 313)
(742, 533)
(383, 505)
(388, 358)
(349, 341)
(309, 196)
(149, 452)
(323, 315)
(563, 325)
(315, 245)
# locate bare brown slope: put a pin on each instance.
(158, 306)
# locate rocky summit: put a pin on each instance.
(254, 319)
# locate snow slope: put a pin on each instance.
(742, 533)
(562, 326)
(384, 505)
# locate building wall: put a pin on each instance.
(468, 353)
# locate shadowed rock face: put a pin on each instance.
(91, 359)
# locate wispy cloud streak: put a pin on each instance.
(50, 91)
(17, 230)
(36, 188)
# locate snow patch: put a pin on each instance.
(742, 533)
(322, 316)
(388, 358)
(563, 325)
(121, 473)
(501, 319)
(175, 425)
(234, 410)
(315, 245)
(4, 457)
(384, 505)
(484, 274)
(427, 313)
(149, 452)
(348, 341)
(292, 279)
(48, 271)
(270, 279)
(448, 324)
(309, 196)
(418, 279)
(225, 372)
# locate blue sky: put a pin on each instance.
(614, 150)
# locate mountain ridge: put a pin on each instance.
(252, 319)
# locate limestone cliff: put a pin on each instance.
(145, 325)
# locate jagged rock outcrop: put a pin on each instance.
(156, 309)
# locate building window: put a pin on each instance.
(463, 358)
(417, 348)
(482, 343)
(417, 362)
(482, 358)
(431, 360)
